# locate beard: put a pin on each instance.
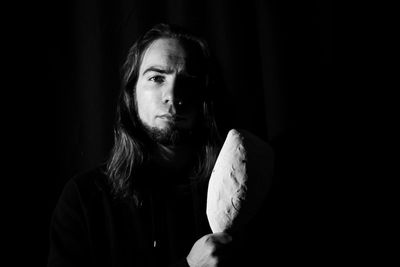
(169, 136)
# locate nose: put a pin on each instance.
(171, 95)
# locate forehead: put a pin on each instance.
(164, 53)
(175, 55)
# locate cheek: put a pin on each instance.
(147, 103)
(142, 103)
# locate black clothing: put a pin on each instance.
(90, 227)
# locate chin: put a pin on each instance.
(164, 126)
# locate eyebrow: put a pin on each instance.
(158, 69)
(163, 70)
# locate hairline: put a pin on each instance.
(178, 38)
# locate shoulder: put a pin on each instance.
(91, 180)
(85, 187)
(72, 217)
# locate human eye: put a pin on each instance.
(157, 79)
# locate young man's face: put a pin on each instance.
(167, 89)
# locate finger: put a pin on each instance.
(223, 244)
(222, 238)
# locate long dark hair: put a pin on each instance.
(131, 142)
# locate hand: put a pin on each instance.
(209, 250)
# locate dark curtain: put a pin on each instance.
(274, 59)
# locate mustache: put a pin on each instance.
(172, 117)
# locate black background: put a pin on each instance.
(275, 59)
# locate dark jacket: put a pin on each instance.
(90, 227)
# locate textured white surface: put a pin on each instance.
(240, 180)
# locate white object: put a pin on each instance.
(240, 180)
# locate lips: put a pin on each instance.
(170, 117)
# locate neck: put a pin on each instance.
(174, 158)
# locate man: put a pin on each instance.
(146, 206)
